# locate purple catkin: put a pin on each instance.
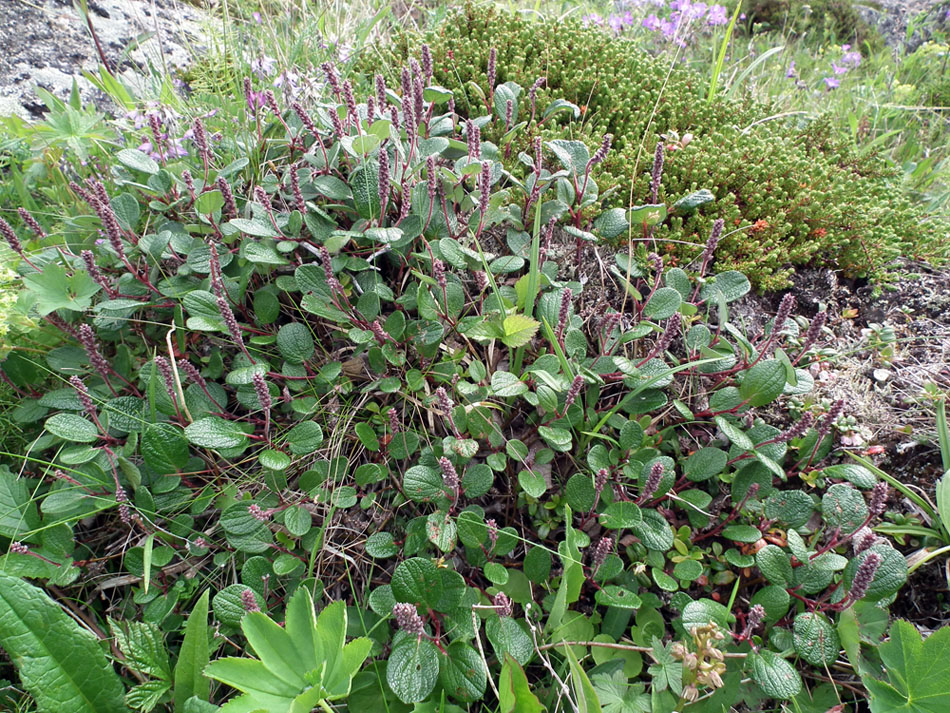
(299, 203)
(11, 237)
(83, 194)
(249, 601)
(656, 262)
(31, 223)
(18, 548)
(492, 527)
(755, 618)
(377, 329)
(575, 389)
(394, 118)
(438, 271)
(537, 156)
(474, 137)
(481, 280)
(784, 310)
(672, 328)
(796, 430)
(189, 182)
(532, 196)
(84, 398)
(484, 187)
(602, 549)
(406, 83)
(214, 272)
(350, 101)
(200, 137)
(657, 173)
(450, 476)
(492, 59)
(601, 153)
(61, 324)
(713, 240)
(814, 330)
(230, 322)
(653, 481)
(864, 539)
(563, 312)
(88, 340)
(432, 177)
(384, 179)
(409, 120)
(370, 107)
(415, 69)
(249, 95)
(864, 576)
(260, 196)
(165, 370)
(834, 413)
(189, 370)
(155, 124)
(337, 122)
(426, 63)
(328, 269)
(89, 260)
(600, 482)
(533, 92)
(381, 92)
(230, 207)
(258, 513)
(879, 497)
(418, 98)
(394, 426)
(509, 114)
(408, 619)
(406, 201)
(332, 79)
(109, 221)
(262, 391)
(502, 604)
(445, 403)
(305, 119)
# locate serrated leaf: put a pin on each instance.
(60, 663)
(917, 672)
(518, 330)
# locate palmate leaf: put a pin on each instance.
(918, 672)
(301, 664)
(60, 664)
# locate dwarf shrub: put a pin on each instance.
(793, 194)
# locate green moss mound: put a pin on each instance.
(791, 194)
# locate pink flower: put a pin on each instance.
(831, 83)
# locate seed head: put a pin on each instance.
(426, 62)
(408, 619)
(262, 391)
(878, 498)
(653, 481)
(332, 79)
(230, 207)
(533, 92)
(864, 576)
(384, 178)
(492, 58)
(258, 513)
(83, 393)
(381, 91)
(30, 221)
(89, 260)
(599, 554)
(394, 426)
(200, 137)
(350, 102)
(18, 548)
(492, 531)
(502, 604)
(88, 340)
(573, 391)
(601, 153)
(484, 187)
(165, 370)
(249, 601)
(445, 403)
(299, 202)
(796, 430)
(474, 137)
(814, 330)
(713, 241)
(189, 370)
(432, 177)
(450, 476)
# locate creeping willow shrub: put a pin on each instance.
(367, 350)
(790, 193)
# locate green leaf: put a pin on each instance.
(703, 612)
(857, 475)
(763, 383)
(648, 214)
(295, 342)
(60, 663)
(655, 532)
(612, 223)
(775, 676)
(190, 680)
(304, 438)
(558, 438)
(71, 427)
(164, 448)
(573, 155)
(463, 673)
(257, 228)
(422, 483)
(514, 691)
(364, 182)
(215, 433)
(917, 672)
(843, 507)
(18, 514)
(518, 330)
(507, 637)
(736, 435)
(689, 203)
(417, 580)
(584, 693)
(413, 667)
(137, 161)
(621, 515)
(209, 202)
(728, 286)
(618, 696)
(663, 304)
(441, 531)
(616, 596)
(815, 639)
(889, 577)
(505, 384)
(54, 289)
(705, 463)
(775, 565)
